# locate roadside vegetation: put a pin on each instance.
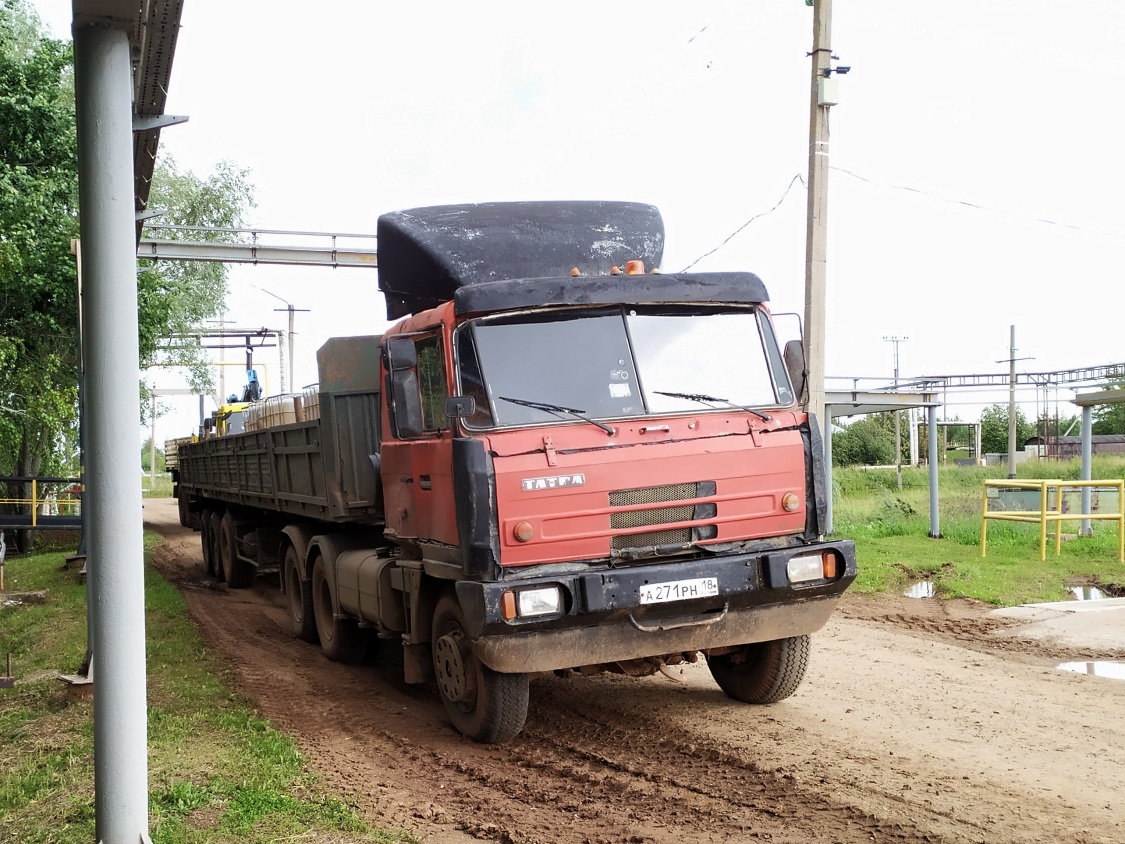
(218, 772)
(891, 529)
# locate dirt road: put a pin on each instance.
(919, 721)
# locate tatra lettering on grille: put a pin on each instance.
(637, 516)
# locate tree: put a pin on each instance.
(994, 429)
(1110, 418)
(864, 443)
(38, 218)
(38, 275)
(174, 298)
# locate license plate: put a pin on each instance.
(679, 590)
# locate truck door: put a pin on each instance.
(417, 462)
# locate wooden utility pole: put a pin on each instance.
(817, 235)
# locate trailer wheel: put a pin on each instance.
(483, 704)
(298, 592)
(340, 638)
(208, 542)
(238, 573)
(182, 509)
(764, 672)
(216, 522)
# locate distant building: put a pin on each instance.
(1070, 448)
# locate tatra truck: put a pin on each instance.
(558, 459)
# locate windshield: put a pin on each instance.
(617, 363)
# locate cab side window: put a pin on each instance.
(432, 383)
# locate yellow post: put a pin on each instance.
(1043, 520)
(984, 519)
(1121, 521)
(34, 503)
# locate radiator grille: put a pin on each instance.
(656, 516)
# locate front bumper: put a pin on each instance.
(604, 620)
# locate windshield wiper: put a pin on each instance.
(703, 397)
(557, 409)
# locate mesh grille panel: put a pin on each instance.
(653, 495)
(655, 516)
(656, 537)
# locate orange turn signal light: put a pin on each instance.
(508, 605)
(790, 502)
(829, 566)
(523, 531)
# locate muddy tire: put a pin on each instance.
(298, 595)
(216, 522)
(483, 704)
(183, 510)
(340, 638)
(207, 541)
(237, 572)
(764, 672)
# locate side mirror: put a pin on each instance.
(406, 404)
(794, 355)
(458, 407)
(399, 353)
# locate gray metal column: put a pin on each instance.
(103, 92)
(1087, 458)
(931, 458)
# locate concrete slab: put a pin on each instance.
(1089, 625)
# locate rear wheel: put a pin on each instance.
(764, 672)
(485, 705)
(340, 638)
(207, 541)
(182, 509)
(238, 573)
(298, 592)
(216, 522)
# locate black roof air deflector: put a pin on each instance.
(427, 254)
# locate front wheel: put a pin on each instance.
(298, 593)
(764, 672)
(483, 704)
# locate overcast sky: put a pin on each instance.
(975, 180)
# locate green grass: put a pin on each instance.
(162, 487)
(217, 771)
(891, 530)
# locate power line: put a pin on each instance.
(977, 206)
(797, 178)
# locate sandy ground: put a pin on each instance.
(919, 721)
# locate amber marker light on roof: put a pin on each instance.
(634, 268)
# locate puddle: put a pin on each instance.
(1088, 593)
(1101, 668)
(922, 589)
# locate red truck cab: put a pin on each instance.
(609, 469)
